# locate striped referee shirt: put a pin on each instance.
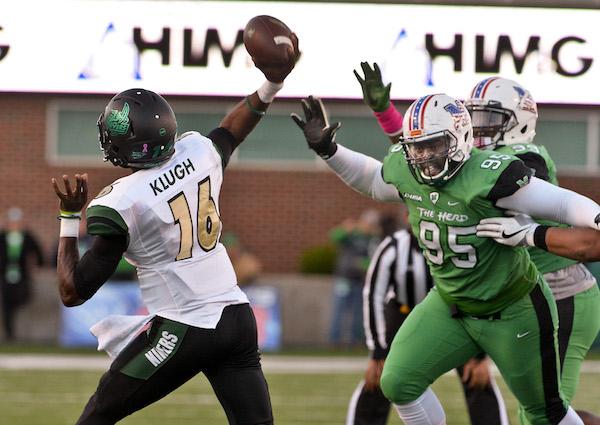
(397, 271)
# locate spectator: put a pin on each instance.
(354, 240)
(18, 250)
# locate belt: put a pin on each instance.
(456, 313)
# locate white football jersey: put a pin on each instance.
(171, 216)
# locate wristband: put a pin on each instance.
(68, 214)
(69, 228)
(390, 120)
(253, 109)
(539, 237)
(266, 93)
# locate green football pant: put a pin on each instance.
(579, 324)
(522, 343)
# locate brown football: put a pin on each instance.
(268, 40)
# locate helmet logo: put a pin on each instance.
(459, 114)
(145, 148)
(117, 122)
(162, 131)
(526, 101)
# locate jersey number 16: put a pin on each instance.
(208, 222)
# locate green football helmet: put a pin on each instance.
(137, 129)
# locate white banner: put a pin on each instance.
(195, 48)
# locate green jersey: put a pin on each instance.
(478, 275)
(538, 158)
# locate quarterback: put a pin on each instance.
(488, 297)
(164, 218)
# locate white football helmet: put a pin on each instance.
(437, 138)
(502, 112)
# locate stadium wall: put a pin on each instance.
(276, 213)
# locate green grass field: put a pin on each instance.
(57, 398)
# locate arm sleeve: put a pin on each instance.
(377, 282)
(543, 200)
(225, 143)
(537, 162)
(363, 174)
(98, 264)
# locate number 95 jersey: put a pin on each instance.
(478, 275)
(170, 216)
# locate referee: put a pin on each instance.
(397, 280)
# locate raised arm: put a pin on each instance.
(360, 172)
(376, 96)
(248, 112)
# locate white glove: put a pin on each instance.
(512, 231)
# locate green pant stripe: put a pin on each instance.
(555, 409)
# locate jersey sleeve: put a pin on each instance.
(224, 142)
(537, 163)
(105, 221)
(512, 178)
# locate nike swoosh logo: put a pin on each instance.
(522, 335)
(510, 235)
(452, 204)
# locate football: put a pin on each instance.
(268, 40)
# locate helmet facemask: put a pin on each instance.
(430, 157)
(490, 122)
(437, 138)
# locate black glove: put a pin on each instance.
(318, 132)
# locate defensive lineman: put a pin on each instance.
(397, 279)
(504, 116)
(486, 297)
(164, 218)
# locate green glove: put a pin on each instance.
(375, 94)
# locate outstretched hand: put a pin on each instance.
(277, 72)
(72, 200)
(375, 94)
(318, 132)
